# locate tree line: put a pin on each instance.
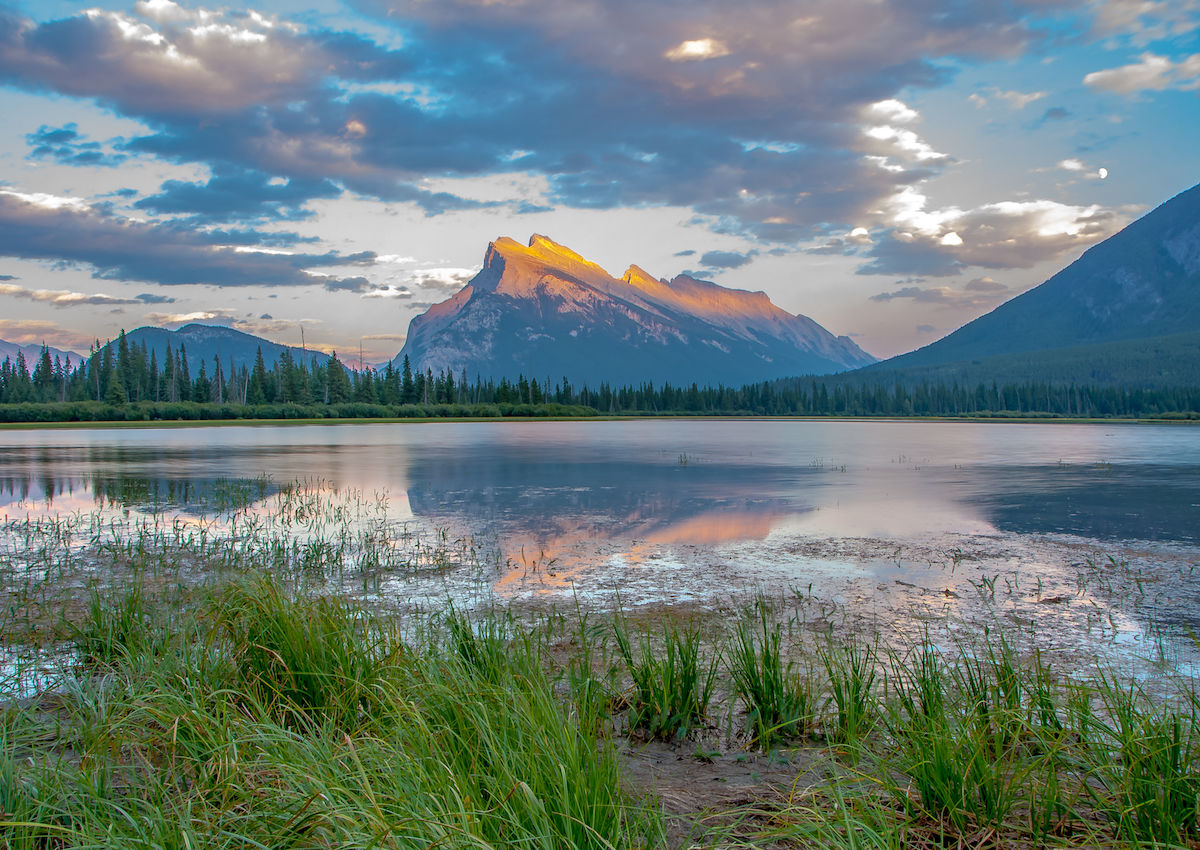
(126, 381)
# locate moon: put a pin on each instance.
(1102, 173)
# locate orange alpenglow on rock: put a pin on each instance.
(542, 310)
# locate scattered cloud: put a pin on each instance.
(726, 259)
(1018, 99)
(696, 50)
(443, 278)
(164, 319)
(389, 292)
(979, 293)
(66, 146)
(36, 332)
(44, 227)
(1151, 72)
(926, 329)
(687, 253)
(152, 298)
(1055, 113)
(63, 297)
(1002, 235)
(239, 195)
(283, 113)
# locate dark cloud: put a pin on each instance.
(8, 277)
(687, 253)
(239, 195)
(151, 298)
(32, 227)
(348, 284)
(761, 135)
(726, 259)
(926, 329)
(1055, 113)
(66, 146)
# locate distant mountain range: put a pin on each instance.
(544, 311)
(204, 342)
(33, 351)
(1126, 312)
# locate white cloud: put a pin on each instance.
(1019, 100)
(63, 297)
(698, 49)
(49, 202)
(1150, 73)
(1071, 165)
(892, 111)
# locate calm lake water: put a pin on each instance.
(875, 517)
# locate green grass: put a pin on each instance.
(232, 692)
(673, 680)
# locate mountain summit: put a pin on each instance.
(543, 310)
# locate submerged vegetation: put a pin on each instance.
(248, 680)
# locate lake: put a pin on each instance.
(1084, 530)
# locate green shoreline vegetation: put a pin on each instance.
(252, 688)
(124, 382)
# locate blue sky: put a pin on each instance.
(890, 168)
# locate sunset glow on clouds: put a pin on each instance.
(352, 160)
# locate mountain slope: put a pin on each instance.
(33, 351)
(204, 342)
(1141, 283)
(544, 311)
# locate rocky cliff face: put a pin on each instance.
(544, 311)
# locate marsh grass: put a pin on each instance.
(229, 693)
(780, 698)
(673, 680)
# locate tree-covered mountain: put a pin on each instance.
(1127, 311)
(205, 342)
(544, 310)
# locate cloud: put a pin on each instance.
(45, 227)
(1019, 100)
(1054, 113)
(389, 292)
(1150, 73)
(688, 253)
(569, 86)
(66, 146)
(979, 293)
(223, 316)
(697, 50)
(151, 298)
(442, 278)
(926, 329)
(239, 194)
(347, 284)
(8, 277)
(63, 297)
(36, 332)
(1002, 235)
(726, 259)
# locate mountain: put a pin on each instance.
(1135, 295)
(544, 311)
(207, 341)
(33, 351)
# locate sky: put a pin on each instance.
(326, 170)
